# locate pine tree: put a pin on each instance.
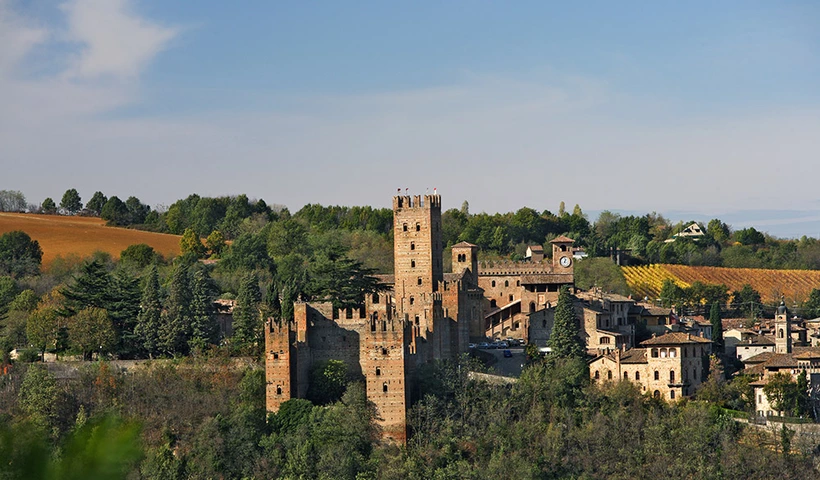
(204, 329)
(124, 307)
(565, 340)
(176, 322)
(246, 315)
(272, 305)
(717, 327)
(149, 317)
(90, 289)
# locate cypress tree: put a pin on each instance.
(204, 330)
(124, 309)
(565, 340)
(247, 325)
(149, 317)
(717, 326)
(272, 306)
(176, 320)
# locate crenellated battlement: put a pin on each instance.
(416, 201)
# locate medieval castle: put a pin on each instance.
(423, 315)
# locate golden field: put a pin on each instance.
(795, 285)
(63, 235)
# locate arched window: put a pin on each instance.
(416, 319)
(279, 390)
(378, 371)
(518, 283)
(663, 353)
(412, 300)
(412, 264)
(384, 387)
(673, 352)
(637, 375)
(419, 281)
(655, 353)
(493, 283)
(506, 283)
(672, 394)
(492, 303)
(511, 297)
(418, 226)
(626, 375)
(657, 375)
(671, 376)
(412, 245)
(532, 307)
(781, 333)
(609, 374)
(657, 394)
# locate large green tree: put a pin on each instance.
(175, 328)
(717, 326)
(204, 329)
(149, 317)
(190, 243)
(115, 212)
(247, 321)
(91, 330)
(565, 340)
(19, 254)
(71, 201)
(48, 206)
(96, 204)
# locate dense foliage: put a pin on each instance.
(204, 418)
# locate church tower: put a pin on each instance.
(782, 330)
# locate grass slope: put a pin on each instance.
(64, 236)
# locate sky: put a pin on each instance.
(692, 109)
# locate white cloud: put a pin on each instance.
(114, 41)
(17, 38)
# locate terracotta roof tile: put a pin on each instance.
(675, 338)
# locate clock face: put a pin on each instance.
(565, 261)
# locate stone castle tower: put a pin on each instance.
(419, 317)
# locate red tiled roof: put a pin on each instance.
(675, 338)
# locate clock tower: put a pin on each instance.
(562, 261)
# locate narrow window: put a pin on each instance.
(412, 245)
(671, 376)
(637, 375)
(419, 281)
(655, 353)
(672, 394)
(416, 319)
(609, 375)
(278, 390)
(418, 227)
(384, 387)
(511, 297)
(506, 283)
(532, 307)
(597, 375)
(626, 376)
(492, 303)
(493, 283)
(518, 283)
(375, 298)
(378, 371)
(404, 227)
(384, 350)
(412, 300)
(657, 375)
(276, 356)
(657, 394)
(412, 264)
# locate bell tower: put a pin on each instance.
(465, 255)
(562, 261)
(782, 330)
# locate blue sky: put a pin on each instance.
(708, 108)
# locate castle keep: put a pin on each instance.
(423, 315)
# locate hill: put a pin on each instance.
(62, 235)
(795, 285)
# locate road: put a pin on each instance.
(509, 367)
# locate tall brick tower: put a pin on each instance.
(417, 251)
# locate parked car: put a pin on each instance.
(507, 354)
(483, 345)
(503, 345)
(472, 345)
